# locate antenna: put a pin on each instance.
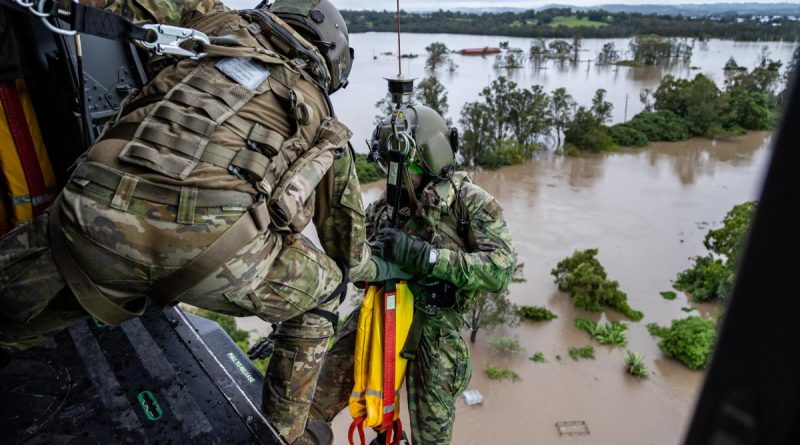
(399, 54)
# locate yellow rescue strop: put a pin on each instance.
(370, 405)
(29, 185)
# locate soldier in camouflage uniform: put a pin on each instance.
(142, 204)
(455, 241)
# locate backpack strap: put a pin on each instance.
(166, 291)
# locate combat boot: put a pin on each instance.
(317, 433)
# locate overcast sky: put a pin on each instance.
(448, 4)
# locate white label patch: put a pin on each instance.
(245, 71)
(390, 302)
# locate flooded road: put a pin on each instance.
(647, 211)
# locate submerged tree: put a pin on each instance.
(431, 93)
(490, 310)
(476, 121)
(538, 50)
(559, 49)
(601, 107)
(608, 54)
(562, 110)
(712, 275)
(437, 55)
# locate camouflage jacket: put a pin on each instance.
(339, 209)
(479, 260)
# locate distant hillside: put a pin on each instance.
(710, 9)
(568, 22)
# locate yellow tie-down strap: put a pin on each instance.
(366, 400)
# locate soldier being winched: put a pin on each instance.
(452, 237)
(198, 193)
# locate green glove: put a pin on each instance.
(388, 271)
(396, 246)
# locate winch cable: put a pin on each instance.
(394, 187)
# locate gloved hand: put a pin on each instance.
(388, 271)
(396, 246)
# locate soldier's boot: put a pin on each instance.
(316, 433)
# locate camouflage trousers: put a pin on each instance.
(276, 277)
(435, 379)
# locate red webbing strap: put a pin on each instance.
(358, 423)
(389, 354)
(18, 125)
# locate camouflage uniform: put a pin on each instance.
(482, 262)
(125, 244)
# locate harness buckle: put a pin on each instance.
(166, 39)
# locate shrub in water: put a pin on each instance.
(584, 278)
(506, 345)
(496, 373)
(634, 364)
(536, 313)
(605, 333)
(585, 352)
(689, 340)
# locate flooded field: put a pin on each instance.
(647, 211)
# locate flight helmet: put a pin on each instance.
(322, 25)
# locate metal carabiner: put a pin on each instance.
(44, 16)
(167, 40)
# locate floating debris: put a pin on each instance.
(473, 397)
(572, 428)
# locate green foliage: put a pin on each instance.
(628, 136)
(585, 352)
(587, 133)
(651, 49)
(558, 357)
(601, 108)
(689, 340)
(503, 128)
(497, 373)
(536, 313)
(697, 100)
(431, 93)
(634, 364)
(506, 345)
(367, 171)
(574, 22)
(728, 240)
(706, 280)
(584, 278)
(562, 111)
(506, 154)
(669, 295)
(537, 357)
(605, 333)
(660, 126)
(711, 276)
(749, 101)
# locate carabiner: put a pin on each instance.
(167, 40)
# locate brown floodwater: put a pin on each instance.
(647, 212)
